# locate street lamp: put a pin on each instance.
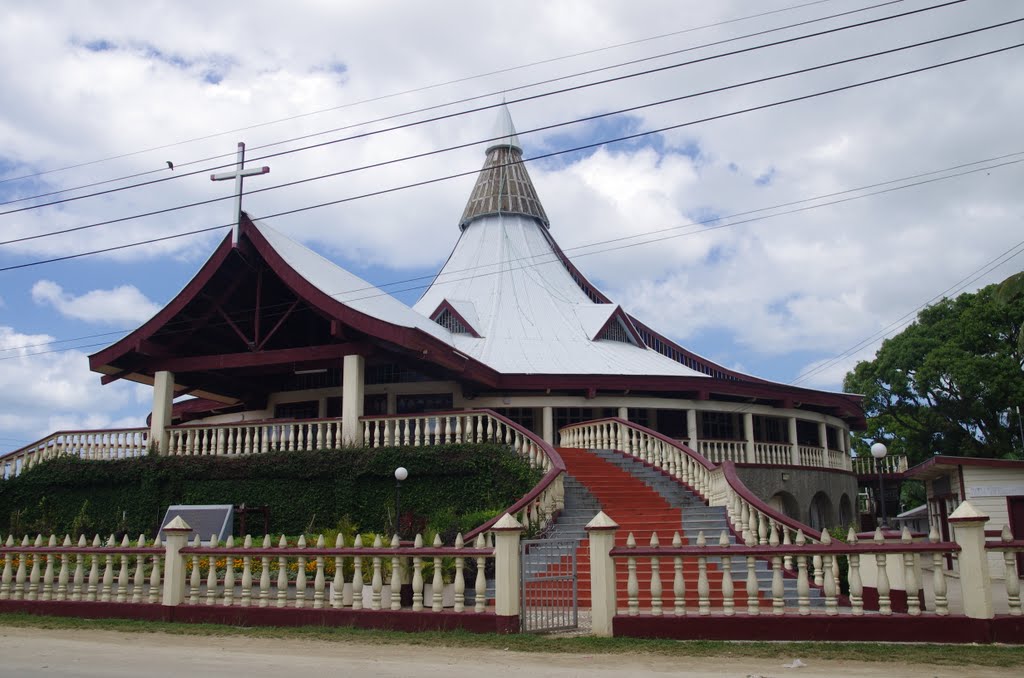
(878, 451)
(400, 474)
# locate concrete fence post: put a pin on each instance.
(975, 578)
(507, 532)
(603, 604)
(175, 538)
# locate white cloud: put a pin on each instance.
(41, 391)
(118, 306)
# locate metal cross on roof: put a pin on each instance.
(238, 174)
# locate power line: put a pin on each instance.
(478, 109)
(405, 92)
(475, 171)
(525, 132)
(987, 167)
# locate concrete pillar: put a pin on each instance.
(175, 538)
(352, 391)
(506, 566)
(794, 445)
(547, 425)
(691, 429)
(603, 604)
(823, 439)
(624, 413)
(975, 578)
(748, 435)
(392, 402)
(163, 398)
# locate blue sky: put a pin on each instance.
(772, 297)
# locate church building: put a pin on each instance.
(269, 329)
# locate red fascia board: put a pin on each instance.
(762, 390)
(428, 347)
(445, 305)
(223, 361)
(129, 343)
(932, 467)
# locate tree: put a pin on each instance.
(950, 383)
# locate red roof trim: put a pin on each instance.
(445, 305)
(430, 348)
(128, 344)
(619, 315)
(954, 462)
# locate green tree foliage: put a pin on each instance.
(950, 382)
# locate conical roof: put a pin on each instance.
(504, 185)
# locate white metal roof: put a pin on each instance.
(532, 316)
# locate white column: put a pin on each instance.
(748, 434)
(163, 398)
(794, 445)
(352, 387)
(392, 402)
(175, 538)
(624, 413)
(823, 439)
(506, 566)
(547, 425)
(603, 604)
(691, 429)
(975, 578)
(841, 439)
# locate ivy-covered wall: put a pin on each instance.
(305, 491)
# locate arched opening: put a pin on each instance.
(821, 515)
(845, 511)
(785, 503)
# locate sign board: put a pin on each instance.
(204, 519)
(995, 491)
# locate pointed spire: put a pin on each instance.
(504, 132)
(503, 185)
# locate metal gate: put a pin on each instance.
(549, 600)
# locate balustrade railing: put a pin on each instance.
(773, 454)
(723, 450)
(535, 509)
(99, 444)
(255, 437)
(890, 464)
(48, 571)
(653, 570)
(717, 484)
(356, 577)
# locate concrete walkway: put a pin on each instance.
(33, 653)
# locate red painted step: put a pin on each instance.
(640, 510)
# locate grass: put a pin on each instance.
(941, 655)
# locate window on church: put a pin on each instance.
(447, 320)
(424, 402)
(771, 430)
(807, 433)
(719, 426)
(521, 415)
(614, 331)
(306, 409)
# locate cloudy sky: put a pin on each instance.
(772, 241)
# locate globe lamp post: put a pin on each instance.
(878, 451)
(400, 474)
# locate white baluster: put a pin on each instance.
(318, 580)
(377, 582)
(803, 588)
(62, 578)
(884, 606)
(728, 590)
(437, 584)
(481, 581)
(229, 571)
(417, 577)
(195, 581)
(460, 578)
(829, 583)
(678, 582)
(211, 573)
(396, 576)
(265, 574)
(337, 600)
(357, 576)
(1012, 575)
(656, 604)
(247, 573)
(703, 586)
(632, 585)
(300, 576)
(282, 569)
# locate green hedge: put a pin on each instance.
(306, 491)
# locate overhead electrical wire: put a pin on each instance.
(447, 116)
(534, 130)
(730, 219)
(534, 158)
(405, 92)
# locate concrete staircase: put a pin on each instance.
(644, 500)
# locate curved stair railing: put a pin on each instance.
(717, 484)
(536, 508)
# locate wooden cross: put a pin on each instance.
(238, 174)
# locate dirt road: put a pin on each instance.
(30, 653)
